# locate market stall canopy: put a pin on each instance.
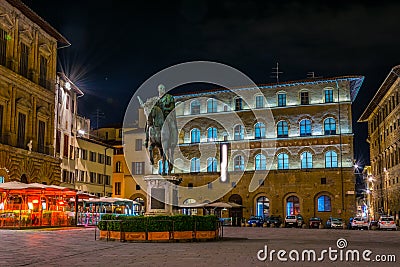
(192, 205)
(22, 186)
(224, 205)
(111, 200)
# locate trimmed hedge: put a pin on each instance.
(157, 223)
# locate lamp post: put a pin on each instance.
(105, 169)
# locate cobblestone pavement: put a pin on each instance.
(77, 247)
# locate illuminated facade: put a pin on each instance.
(124, 185)
(307, 147)
(383, 117)
(28, 56)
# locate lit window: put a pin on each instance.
(328, 96)
(306, 160)
(305, 128)
(324, 203)
(238, 103)
(259, 101)
(283, 161)
(281, 100)
(195, 107)
(161, 168)
(329, 126)
(238, 163)
(195, 165)
(212, 105)
(331, 160)
(211, 165)
(304, 99)
(259, 130)
(261, 162)
(282, 129)
(212, 134)
(195, 136)
(238, 132)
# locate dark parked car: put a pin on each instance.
(373, 224)
(275, 220)
(258, 220)
(315, 222)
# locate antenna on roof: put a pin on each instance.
(311, 75)
(98, 115)
(276, 72)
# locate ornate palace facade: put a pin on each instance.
(28, 56)
(298, 161)
(383, 117)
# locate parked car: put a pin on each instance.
(334, 223)
(294, 220)
(300, 220)
(359, 223)
(387, 222)
(373, 224)
(315, 222)
(258, 220)
(275, 220)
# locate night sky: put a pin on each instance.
(117, 45)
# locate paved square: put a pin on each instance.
(77, 247)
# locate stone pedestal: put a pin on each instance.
(162, 194)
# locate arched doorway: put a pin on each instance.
(236, 213)
(292, 205)
(189, 211)
(262, 207)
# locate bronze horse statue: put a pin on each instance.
(162, 134)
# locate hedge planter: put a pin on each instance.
(135, 236)
(112, 235)
(206, 234)
(183, 235)
(158, 236)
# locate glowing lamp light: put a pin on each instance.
(30, 205)
(68, 85)
(35, 201)
(224, 162)
(61, 202)
(81, 132)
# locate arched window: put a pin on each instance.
(331, 160)
(238, 132)
(292, 205)
(282, 129)
(212, 134)
(161, 168)
(195, 165)
(259, 130)
(211, 165)
(261, 162)
(324, 203)
(195, 107)
(262, 208)
(305, 128)
(306, 160)
(238, 163)
(195, 135)
(329, 126)
(118, 166)
(212, 105)
(283, 161)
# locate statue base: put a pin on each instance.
(162, 194)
